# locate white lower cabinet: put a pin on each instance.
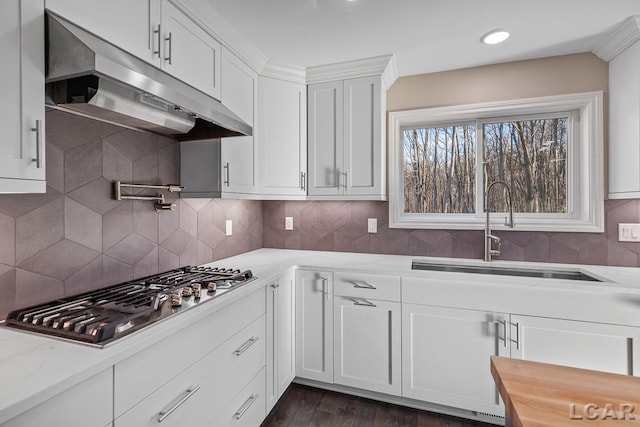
(314, 325)
(446, 356)
(587, 345)
(280, 338)
(197, 395)
(88, 404)
(367, 344)
(247, 408)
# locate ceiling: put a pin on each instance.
(424, 35)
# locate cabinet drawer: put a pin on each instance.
(83, 405)
(248, 407)
(140, 375)
(367, 286)
(203, 390)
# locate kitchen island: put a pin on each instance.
(544, 395)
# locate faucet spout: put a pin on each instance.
(489, 238)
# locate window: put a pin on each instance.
(547, 150)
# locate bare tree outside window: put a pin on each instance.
(530, 156)
(439, 169)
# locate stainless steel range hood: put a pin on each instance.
(91, 77)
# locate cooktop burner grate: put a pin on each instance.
(100, 316)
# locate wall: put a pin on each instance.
(76, 237)
(342, 226)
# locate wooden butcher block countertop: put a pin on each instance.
(543, 395)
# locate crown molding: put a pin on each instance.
(374, 66)
(229, 38)
(224, 33)
(288, 72)
(621, 38)
(390, 74)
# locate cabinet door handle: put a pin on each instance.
(517, 336)
(246, 405)
(226, 169)
(275, 286)
(346, 174)
(363, 302)
(190, 392)
(157, 32)
(504, 326)
(38, 131)
(325, 284)
(362, 285)
(170, 40)
(244, 347)
(303, 181)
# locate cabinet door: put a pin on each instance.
(239, 93)
(445, 356)
(314, 325)
(22, 84)
(367, 344)
(363, 162)
(326, 126)
(600, 347)
(89, 403)
(137, 31)
(624, 124)
(283, 137)
(189, 53)
(280, 337)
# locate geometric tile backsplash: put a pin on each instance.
(342, 226)
(76, 237)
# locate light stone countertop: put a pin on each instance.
(34, 368)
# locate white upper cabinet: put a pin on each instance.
(283, 137)
(137, 31)
(22, 150)
(624, 124)
(346, 151)
(156, 32)
(189, 53)
(239, 93)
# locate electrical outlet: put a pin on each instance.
(288, 223)
(229, 227)
(372, 225)
(628, 232)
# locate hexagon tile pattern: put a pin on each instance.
(76, 238)
(342, 226)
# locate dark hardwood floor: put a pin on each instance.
(303, 406)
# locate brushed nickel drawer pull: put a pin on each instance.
(246, 405)
(244, 347)
(363, 302)
(190, 392)
(362, 285)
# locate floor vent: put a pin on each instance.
(490, 416)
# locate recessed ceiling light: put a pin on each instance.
(495, 37)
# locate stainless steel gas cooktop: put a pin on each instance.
(104, 315)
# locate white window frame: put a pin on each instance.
(585, 186)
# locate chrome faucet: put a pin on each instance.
(489, 238)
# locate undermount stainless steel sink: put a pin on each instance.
(504, 271)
